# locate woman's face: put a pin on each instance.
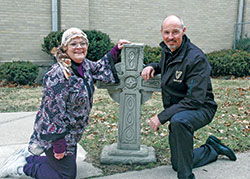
(77, 49)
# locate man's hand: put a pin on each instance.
(148, 72)
(59, 156)
(154, 123)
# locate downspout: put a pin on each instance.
(240, 18)
(54, 15)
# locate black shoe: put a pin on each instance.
(221, 148)
(191, 176)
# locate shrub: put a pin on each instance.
(243, 44)
(152, 54)
(52, 40)
(229, 62)
(19, 72)
(99, 43)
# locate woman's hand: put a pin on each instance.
(59, 148)
(122, 42)
(59, 156)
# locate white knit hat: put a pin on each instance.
(72, 33)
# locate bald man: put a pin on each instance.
(187, 97)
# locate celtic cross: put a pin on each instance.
(130, 93)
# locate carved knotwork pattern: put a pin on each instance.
(129, 121)
(132, 60)
(151, 83)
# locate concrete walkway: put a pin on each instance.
(16, 128)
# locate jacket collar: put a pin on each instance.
(178, 54)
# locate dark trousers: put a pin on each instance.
(183, 157)
(48, 167)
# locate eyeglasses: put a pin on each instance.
(75, 45)
(175, 32)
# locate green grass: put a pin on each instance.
(231, 123)
(20, 99)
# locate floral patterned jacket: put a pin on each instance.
(66, 104)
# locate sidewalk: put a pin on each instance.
(16, 128)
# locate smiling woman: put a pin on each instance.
(67, 100)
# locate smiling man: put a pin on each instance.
(187, 97)
(172, 31)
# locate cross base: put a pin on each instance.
(112, 155)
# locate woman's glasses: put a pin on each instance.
(82, 44)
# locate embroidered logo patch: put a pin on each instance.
(177, 76)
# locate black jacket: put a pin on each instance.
(186, 83)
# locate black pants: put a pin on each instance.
(183, 157)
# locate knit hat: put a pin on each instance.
(71, 33)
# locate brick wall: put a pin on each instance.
(75, 14)
(25, 23)
(209, 24)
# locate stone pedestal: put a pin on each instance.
(112, 155)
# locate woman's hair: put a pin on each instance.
(59, 52)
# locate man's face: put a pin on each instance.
(172, 33)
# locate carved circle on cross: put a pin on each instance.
(130, 82)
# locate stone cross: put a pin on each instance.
(130, 93)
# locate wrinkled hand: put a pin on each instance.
(121, 42)
(148, 72)
(59, 156)
(154, 123)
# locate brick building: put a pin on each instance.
(24, 24)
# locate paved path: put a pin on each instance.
(15, 130)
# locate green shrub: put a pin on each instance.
(19, 72)
(243, 44)
(52, 40)
(152, 54)
(229, 62)
(99, 43)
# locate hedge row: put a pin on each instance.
(229, 62)
(20, 72)
(223, 62)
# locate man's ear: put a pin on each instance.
(184, 29)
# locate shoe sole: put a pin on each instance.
(14, 156)
(4, 172)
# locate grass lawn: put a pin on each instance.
(231, 123)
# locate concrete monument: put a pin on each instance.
(130, 93)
